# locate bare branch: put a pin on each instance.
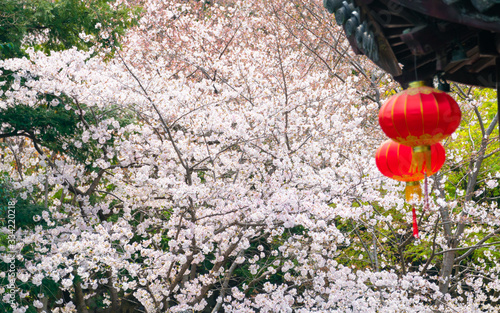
(165, 126)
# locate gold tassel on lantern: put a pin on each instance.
(413, 190)
(421, 155)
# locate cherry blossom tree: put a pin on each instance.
(222, 161)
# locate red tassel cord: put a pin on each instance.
(415, 226)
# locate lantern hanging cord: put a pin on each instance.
(426, 193)
(415, 66)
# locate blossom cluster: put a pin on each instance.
(222, 160)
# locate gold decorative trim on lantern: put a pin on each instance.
(419, 86)
(409, 178)
(421, 154)
(423, 140)
(413, 191)
(417, 83)
(418, 149)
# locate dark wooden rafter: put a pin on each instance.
(459, 39)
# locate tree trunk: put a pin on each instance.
(445, 276)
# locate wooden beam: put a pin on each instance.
(481, 64)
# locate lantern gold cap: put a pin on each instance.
(418, 83)
(417, 149)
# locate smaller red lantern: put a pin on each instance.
(395, 161)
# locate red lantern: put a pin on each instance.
(395, 161)
(419, 117)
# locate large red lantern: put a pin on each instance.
(419, 117)
(395, 161)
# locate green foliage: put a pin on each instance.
(56, 25)
(469, 138)
(6, 195)
(25, 209)
(46, 123)
(25, 213)
(56, 128)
